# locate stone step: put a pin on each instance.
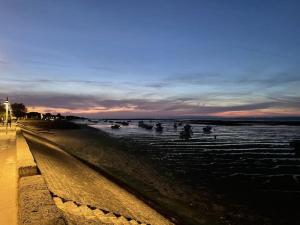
(87, 212)
(58, 201)
(98, 213)
(122, 221)
(81, 212)
(72, 208)
(133, 222)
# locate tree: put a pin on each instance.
(2, 111)
(19, 110)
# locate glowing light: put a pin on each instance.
(91, 110)
(259, 112)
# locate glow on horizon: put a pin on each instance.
(95, 110)
(133, 112)
(259, 113)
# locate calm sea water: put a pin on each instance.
(259, 155)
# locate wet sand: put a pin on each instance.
(71, 180)
(148, 181)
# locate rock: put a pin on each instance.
(296, 145)
(36, 205)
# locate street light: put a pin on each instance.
(6, 103)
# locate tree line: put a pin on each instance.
(19, 110)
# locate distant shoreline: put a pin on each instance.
(245, 122)
(291, 121)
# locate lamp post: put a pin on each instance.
(6, 103)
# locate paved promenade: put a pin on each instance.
(8, 177)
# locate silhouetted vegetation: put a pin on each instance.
(19, 110)
(2, 110)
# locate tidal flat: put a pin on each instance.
(247, 174)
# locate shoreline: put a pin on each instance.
(214, 209)
(115, 178)
(109, 176)
(45, 151)
(290, 121)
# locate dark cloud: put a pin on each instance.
(166, 107)
(276, 79)
(258, 78)
(53, 81)
(259, 51)
(211, 101)
(158, 85)
(63, 65)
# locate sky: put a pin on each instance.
(138, 58)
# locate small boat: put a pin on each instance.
(116, 126)
(145, 126)
(296, 145)
(123, 123)
(175, 125)
(207, 129)
(93, 121)
(186, 133)
(159, 127)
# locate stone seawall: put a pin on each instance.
(35, 203)
(78, 194)
(25, 161)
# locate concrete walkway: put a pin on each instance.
(8, 177)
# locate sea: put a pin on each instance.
(248, 158)
(257, 152)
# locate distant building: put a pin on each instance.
(49, 116)
(34, 115)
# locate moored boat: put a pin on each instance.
(159, 127)
(145, 126)
(116, 126)
(207, 129)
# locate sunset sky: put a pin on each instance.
(141, 58)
